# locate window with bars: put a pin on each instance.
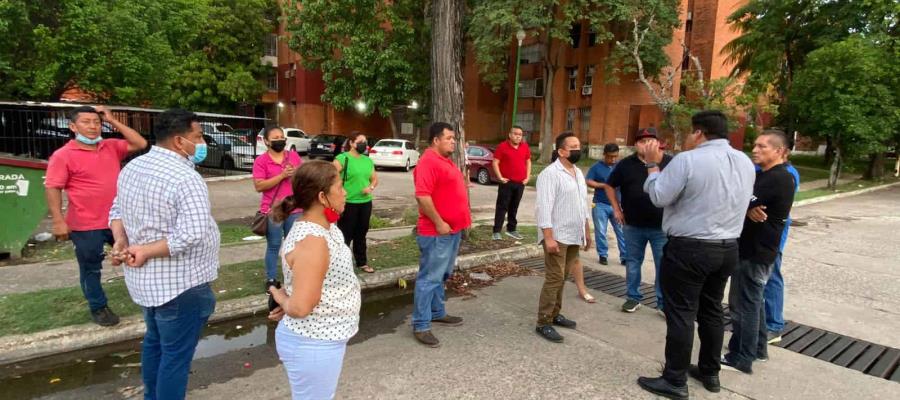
(272, 81)
(272, 45)
(570, 119)
(531, 54)
(526, 119)
(531, 88)
(572, 73)
(589, 76)
(585, 119)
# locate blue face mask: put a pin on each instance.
(199, 153)
(86, 140)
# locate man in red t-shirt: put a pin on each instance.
(443, 214)
(87, 168)
(512, 165)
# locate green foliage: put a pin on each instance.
(375, 52)
(224, 67)
(494, 23)
(136, 51)
(848, 91)
(777, 36)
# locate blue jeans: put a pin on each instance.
(748, 320)
(774, 298)
(602, 214)
(173, 331)
(275, 234)
(312, 366)
(636, 240)
(89, 253)
(436, 262)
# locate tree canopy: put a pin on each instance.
(376, 53)
(200, 54)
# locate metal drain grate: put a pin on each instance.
(868, 358)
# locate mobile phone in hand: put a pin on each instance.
(270, 283)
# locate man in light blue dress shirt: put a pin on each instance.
(704, 193)
(165, 234)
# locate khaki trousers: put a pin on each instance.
(556, 270)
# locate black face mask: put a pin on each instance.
(278, 145)
(361, 147)
(574, 156)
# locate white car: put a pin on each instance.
(396, 153)
(297, 140)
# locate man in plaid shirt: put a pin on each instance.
(166, 236)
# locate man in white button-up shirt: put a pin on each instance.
(563, 220)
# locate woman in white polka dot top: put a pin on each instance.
(319, 303)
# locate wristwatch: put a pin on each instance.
(651, 165)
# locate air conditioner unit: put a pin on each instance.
(287, 74)
(586, 90)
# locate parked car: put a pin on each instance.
(210, 128)
(479, 160)
(53, 133)
(227, 151)
(246, 135)
(326, 146)
(297, 140)
(396, 153)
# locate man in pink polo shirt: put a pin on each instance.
(443, 214)
(87, 168)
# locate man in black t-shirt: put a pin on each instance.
(773, 195)
(642, 220)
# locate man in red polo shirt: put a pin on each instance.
(87, 168)
(443, 214)
(512, 165)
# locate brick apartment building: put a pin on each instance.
(583, 103)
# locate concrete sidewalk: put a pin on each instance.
(497, 355)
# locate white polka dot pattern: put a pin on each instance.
(336, 317)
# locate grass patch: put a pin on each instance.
(808, 174)
(53, 308)
(404, 251)
(23, 313)
(409, 217)
(51, 250)
(843, 188)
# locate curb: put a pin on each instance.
(836, 196)
(24, 347)
(239, 177)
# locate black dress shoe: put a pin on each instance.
(549, 333)
(603, 260)
(560, 320)
(662, 387)
(710, 382)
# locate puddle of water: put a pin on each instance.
(119, 364)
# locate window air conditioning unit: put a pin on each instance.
(586, 90)
(287, 74)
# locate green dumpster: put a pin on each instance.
(22, 201)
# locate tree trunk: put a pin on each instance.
(396, 116)
(835, 170)
(875, 171)
(547, 120)
(446, 70)
(676, 133)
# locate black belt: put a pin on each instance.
(702, 241)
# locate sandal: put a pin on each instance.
(367, 269)
(588, 298)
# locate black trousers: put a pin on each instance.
(509, 195)
(693, 275)
(354, 224)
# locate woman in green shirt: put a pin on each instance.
(358, 173)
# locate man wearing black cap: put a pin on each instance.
(643, 220)
(705, 192)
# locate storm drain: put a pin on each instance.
(860, 355)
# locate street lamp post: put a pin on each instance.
(520, 35)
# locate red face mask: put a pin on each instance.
(331, 214)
